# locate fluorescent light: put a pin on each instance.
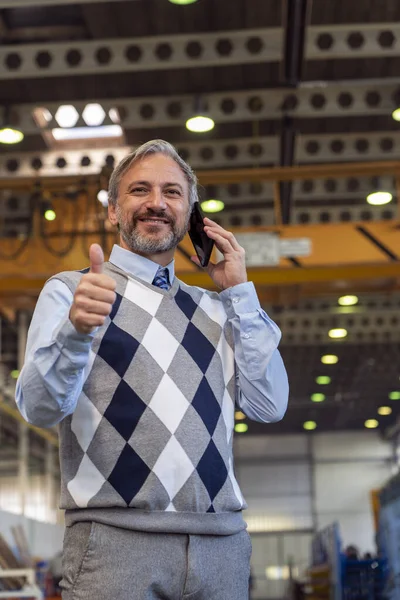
(9, 135)
(93, 115)
(337, 334)
(318, 397)
(371, 424)
(67, 115)
(384, 411)
(200, 124)
(50, 215)
(394, 396)
(241, 427)
(396, 114)
(239, 416)
(212, 206)
(309, 425)
(348, 300)
(329, 359)
(83, 133)
(379, 198)
(323, 380)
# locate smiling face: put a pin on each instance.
(153, 208)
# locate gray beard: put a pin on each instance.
(149, 244)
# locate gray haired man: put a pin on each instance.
(142, 373)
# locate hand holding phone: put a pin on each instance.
(203, 245)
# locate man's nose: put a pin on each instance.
(156, 199)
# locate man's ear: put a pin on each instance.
(112, 216)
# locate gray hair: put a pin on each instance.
(152, 147)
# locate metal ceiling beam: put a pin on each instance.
(236, 152)
(312, 100)
(141, 54)
(190, 51)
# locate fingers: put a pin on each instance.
(211, 226)
(96, 255)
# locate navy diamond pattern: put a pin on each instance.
(116, 306)
(129, 474)
(118, 348)
(125, 410)
(198, 346)
(212, 470)
(186, 303)
(207, 406)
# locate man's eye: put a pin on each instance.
(138, 190)
(174, 192)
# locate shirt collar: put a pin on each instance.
(137, 265)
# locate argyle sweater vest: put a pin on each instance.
(149, 445)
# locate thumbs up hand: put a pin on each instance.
(94, 296)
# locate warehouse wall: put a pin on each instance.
(295, 483)
(44, 539)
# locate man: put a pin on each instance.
(141, 372)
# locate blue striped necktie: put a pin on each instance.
(161, 279)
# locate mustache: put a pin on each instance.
(150, 213)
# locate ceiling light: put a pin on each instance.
(83, 133)
(67, 115)
(50, 214)
(394, 396)
(337, 334)
(379, 198)
(348, 300)
(239, 416)
(329, 359)
(93, 115)
(15, 374)
(396, 114)
(241, 427)
(323, 380)
(309, 425)
(318, 397)
(384, 411)
(182, 2)
(200, 124)
(9, 135)
(212, 206)
(371, 424)
(102, 197)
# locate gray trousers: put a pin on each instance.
(101, 562)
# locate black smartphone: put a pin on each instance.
(203, 245)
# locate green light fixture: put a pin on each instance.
(8, 133)
(323, 380)
(212, 206)
(348, 301)
(394, 396)
(241, 427)
(50, 215)
(309, 425)
(182, 2)
(201, 121)
(15, 374)
(329, 359)
(396, 115)
(337, 334)
(318, 397)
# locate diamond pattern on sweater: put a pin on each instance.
(153, 427)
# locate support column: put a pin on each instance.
(49, 481)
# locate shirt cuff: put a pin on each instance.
(240, 299)
(66, 336)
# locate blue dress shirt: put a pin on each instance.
(53, 375)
